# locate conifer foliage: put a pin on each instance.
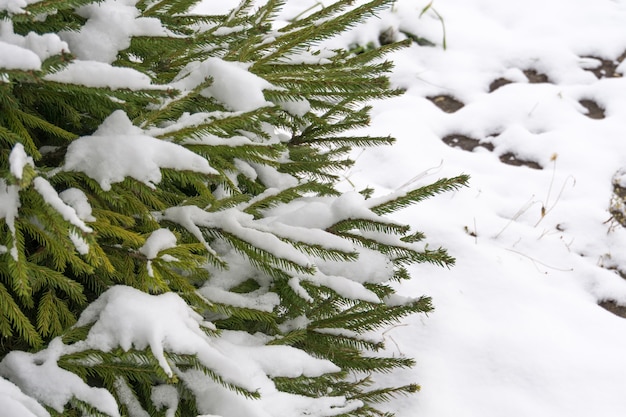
(172, 242)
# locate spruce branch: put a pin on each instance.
(287, 152)
(405, 199)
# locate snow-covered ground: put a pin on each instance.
(517, 330)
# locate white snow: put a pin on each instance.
(39, 376)
(237, 223)
(13, 6)
(128, 398)
(292, 221)
(294, 284)
(165, 396)
(51, 197)
(97, 42)
(260, 301)
(272, 178)
(99, 74)
(25, 52)
(157, 241)
(79, 242)
(14, 403)
(128, 318)
(118, 150)
(349, 333)
(274, 361)
(77, 199)
(323, 212)
(9, 194)
(45, 45)
(194, 120)
(372, 267)
(13, 57)
(233, 85)
(9, 206)
(295, 107)
(18, 159)
(344, 286)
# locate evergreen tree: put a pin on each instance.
(170, 221)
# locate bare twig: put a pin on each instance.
(299, 15)
(531, 202)
(536, 261)
(421, 175)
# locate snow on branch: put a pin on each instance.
(118, 150)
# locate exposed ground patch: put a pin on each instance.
(617, 206)
(536, 77)
(613, 307)
(594, 111)
(497, 83)
(510, 158)
(533, 76)
(465, 142)
(606, 68)
(446, 103)
(449, 104)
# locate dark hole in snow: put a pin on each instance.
(617, 206)
(510, 159)
(465, 142)
(388, 36)
(594, 111)
(495, 84)
(446, 103)
(535, 77)
(613, 307)
(606, 68)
